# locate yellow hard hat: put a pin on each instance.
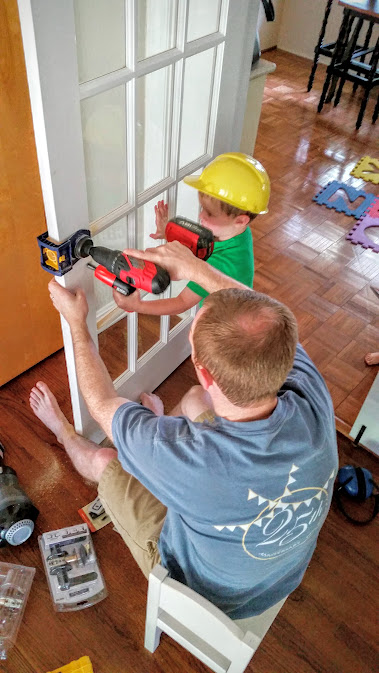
(237, 179)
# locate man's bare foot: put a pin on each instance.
(153, 402)
(372, 359)
(46, 408)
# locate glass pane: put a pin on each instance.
(104, 142)
(176, 288)
(146, 223)
(113, 346)
(100, 37)
(175, 319)
(153, 127)
(188, 200)
(197, 96)
(149, 329)
(187, 206)
(156, 26)
(203, 18)
(115, 238)
(149, 325)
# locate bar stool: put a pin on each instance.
(327, 48)
(345, 64)
(360, 73)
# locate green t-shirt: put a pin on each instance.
(233, 257)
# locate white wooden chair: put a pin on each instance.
(226, 646)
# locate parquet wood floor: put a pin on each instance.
(328, 625)
(302, 256)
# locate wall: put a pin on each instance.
(301, 23)
(269, 30)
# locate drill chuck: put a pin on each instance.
(83, 247)
(113, 260)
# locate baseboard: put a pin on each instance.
(274, 48)
(343, 427)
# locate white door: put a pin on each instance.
(128, 97)
(368, 420)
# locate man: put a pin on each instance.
(231, 493)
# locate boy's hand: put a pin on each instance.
(178, 260)
(161, 219)
(129, 304)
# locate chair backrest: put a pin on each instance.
(196, 624)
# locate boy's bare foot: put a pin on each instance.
(46, 408)
(153, 402)
(372, 359)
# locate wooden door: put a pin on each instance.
(29, 326)
(128, 97)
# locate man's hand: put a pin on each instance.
(72, 305)
(129, 304)
(161, 219)
(178, 260)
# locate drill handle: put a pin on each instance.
(101, 273)
(194, 236)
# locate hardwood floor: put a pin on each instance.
(328, 625)
(302, 256)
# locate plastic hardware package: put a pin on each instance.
(74, 577)
(15, 583)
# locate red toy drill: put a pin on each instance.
(126, 273)
(194, 236)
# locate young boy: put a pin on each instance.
(233, 189)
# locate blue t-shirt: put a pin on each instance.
(246, 500)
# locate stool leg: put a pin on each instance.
(367, 86)
(337, 49)
(365, 46)
(347, 57)
(376, 111)
(319, 44)
(340, 59)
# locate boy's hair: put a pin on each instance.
(228, 209)
(232, 210)
(247, 342)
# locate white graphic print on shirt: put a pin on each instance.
(286, 522)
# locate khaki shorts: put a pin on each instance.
(136, 513)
